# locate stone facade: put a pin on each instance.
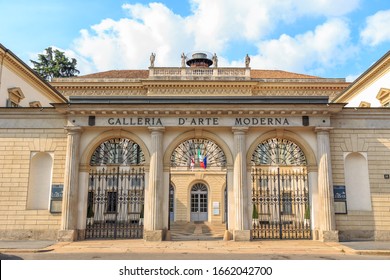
(235, 110)
(16, 146)
(374, 143)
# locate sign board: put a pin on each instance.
(57, 190)
(340, 199)
(200, 121)
(56, 198)
(215, 208)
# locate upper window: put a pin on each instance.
(277, 151)
(15, 95)
(198, 153)
(118, 151)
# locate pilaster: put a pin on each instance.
(153, 228)
(241, 230)
(326, 223)
(68, 230)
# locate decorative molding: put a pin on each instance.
(295, 92)
(354, 144)
(376, 71)
(203, 91)
(30, 76)
(15, 95)
(365, 104)
(35, 104)
(103, 92)
(383, 96)
(44, 144)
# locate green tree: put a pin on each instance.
(54, 64)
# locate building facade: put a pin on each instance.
(128, 154)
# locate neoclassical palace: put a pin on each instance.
(263, 154)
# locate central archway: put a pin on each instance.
(197, 162)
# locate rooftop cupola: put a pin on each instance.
(199, 59)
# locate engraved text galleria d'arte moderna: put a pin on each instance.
(208, 121)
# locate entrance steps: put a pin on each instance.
(181, 231)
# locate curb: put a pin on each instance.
(373, 252)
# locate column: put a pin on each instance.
(68, 230)
(326, 223)
(153, 227)
(314, 202)
(241, 230)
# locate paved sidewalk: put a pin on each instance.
(259, 247)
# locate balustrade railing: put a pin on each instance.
(196, 73)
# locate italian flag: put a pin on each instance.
(200, 157)
(203, 163)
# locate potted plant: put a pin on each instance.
(307, 215)
(90, 215)
(141, 216)
(255, 216)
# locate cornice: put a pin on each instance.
(175, 110)
(29, 75)
(198, 88)
(366, 79)
(200, 91)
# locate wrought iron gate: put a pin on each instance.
(115, 203)
(280, 198)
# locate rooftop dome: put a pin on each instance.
(199, 59)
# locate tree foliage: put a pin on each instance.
(54, 64)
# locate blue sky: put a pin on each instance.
(327, 38)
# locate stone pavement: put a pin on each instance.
(286, 247)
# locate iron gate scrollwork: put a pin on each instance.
(280, 191)
(280, 198)
(115, 207)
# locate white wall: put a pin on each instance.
(10, 79)
(369, 94)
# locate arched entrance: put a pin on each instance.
(116, 190)
(199, 203)
(191, 161)
(280, 191)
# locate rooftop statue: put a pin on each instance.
(247, 61)
(183, 60)
(215, 60)
(152, 59)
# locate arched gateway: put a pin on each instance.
(280, 192)
(116, 190)
(197, 170)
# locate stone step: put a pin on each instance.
(197, 231)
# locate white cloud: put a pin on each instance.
(351, 78)
(128, 42)
(213, 26)
(216, 23)
(377, 29)
(327, 46)
(328, 8)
